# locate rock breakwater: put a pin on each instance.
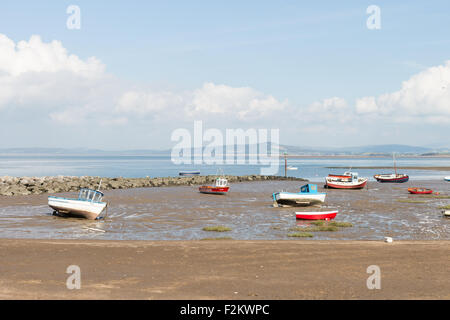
(13, 186)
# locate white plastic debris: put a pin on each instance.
(388, 239)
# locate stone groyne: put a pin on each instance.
(13, 186)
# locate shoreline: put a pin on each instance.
(401, 168)
(23, 186)
(227, 269)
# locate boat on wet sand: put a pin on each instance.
(220, 187)
(349, 180)
(307, 196)
(420, 191)
(88, 205)
(317, 215)
(392, 177)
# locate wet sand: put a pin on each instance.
(228, 269)
(181, 213)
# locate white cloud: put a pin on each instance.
(424, 97)
(45, 81)
(39, 75)
(37, 56)
(148, 102)
(245, 102)
(210, 100)
(69, 90)
(325, 115)
(334, 104)
(366, 105)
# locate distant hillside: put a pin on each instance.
(79, 151)
(388, 149)
(291, 150)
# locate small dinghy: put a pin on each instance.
(446, 213)
(307, 196)
(189, 173)
(89, 205)
(318, 215)
(420, 191)
(447, 178)
(292, 168)
(221, 187)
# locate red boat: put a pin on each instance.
(318, 215)
(221, 187)
(420, 191)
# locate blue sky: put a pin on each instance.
(299, 53)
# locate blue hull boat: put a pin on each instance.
(189, 173)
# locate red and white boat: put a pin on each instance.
(318, 215)
(420, 191)
(220, 187)
(349, 180)
(392, 177)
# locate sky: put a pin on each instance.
(135, 71)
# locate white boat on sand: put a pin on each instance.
(307, 196)
(349, 180)
(88, 205)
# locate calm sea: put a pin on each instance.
(314, 169)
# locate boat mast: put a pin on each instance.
(285, 165)
(395, 165)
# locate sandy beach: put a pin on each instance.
(36, 269)
(122, 257)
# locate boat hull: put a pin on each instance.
(319, 215)
(447, 178)
(76, 208)
(288, 199)
(189, 173)
(213, 190)
(420, 191)
(389, 179)
(345, 185)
